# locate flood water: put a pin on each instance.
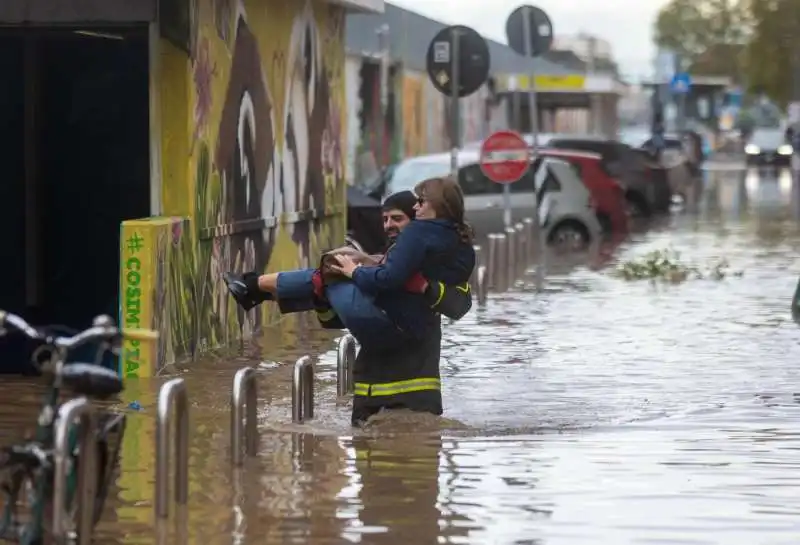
(599, 412)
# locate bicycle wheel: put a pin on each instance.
(33, 507)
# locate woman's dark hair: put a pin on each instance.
(447, 200)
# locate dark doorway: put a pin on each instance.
(74, 140)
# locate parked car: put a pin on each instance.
(607, 193)
(566, 208)
(647, 189)
(768, 147)
(570, 215)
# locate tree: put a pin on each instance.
(772, 56)
(708, 35)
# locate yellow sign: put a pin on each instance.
(545, 82)
(137, 272)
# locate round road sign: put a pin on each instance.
(473, 60)
(505, 157)
(529, 31)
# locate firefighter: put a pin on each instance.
(407, 379)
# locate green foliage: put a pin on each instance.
(772, 51)
(708, 35)
(666, 266)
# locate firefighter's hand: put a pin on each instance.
(344, 265)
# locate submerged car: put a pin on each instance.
(607, 193)
(768, 147)
(570, 215)
(647, 188)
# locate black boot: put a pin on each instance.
(244, 289)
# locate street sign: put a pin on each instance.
(473, 60)
(681, 83)
(505, 157)
(529, 31)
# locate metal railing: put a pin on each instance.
(244, 399)
(345, 360)
(75, 409)
(172, 403)
(303, 390)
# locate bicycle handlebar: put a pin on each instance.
(94, 333)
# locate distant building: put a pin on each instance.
(595, 53)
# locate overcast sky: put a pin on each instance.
(626, 24)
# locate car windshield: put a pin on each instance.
(770, 139)
(408, 174)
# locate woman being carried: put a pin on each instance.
(381, 304)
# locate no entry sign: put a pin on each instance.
(505, 157)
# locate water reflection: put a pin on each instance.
(599, 411)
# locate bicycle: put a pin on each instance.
(28, 468)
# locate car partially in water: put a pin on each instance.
(647, 188)
(570, 217)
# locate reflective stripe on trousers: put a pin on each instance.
(399, 387)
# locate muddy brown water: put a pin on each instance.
(600, 411)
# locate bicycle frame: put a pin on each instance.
(32, 462)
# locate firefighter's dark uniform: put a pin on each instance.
(408, 379)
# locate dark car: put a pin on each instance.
(768, 147)
(647, 188)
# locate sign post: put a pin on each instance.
(457, 65)
(530, 33)
(680, 85)
(505, 158)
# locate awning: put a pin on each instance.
(69, 12)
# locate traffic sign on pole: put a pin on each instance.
(458, 52)
(505, 157)
(681, 83)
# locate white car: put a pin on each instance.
(568, 213)
(566, 210)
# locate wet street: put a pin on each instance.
(602, 411)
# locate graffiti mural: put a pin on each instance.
(253, 164)
(414, 124)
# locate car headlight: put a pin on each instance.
(785, 149)
(752, 149)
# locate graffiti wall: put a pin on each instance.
(252, 117)
(435, 103)
(413, 107)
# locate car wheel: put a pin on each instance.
(569, 235)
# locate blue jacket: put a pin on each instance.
(431, 247)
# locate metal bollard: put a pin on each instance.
(79, 408)
(511, 256)
(481, 291)
(303, 390)
(491, 260)
(244, 405)
(172, 394)
(522, 262)
(473, 278)
(501, 263)
(530, 241)
(345, 360)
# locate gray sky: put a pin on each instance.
(626, 24)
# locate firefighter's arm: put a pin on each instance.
(406, 257)
(453, 301)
